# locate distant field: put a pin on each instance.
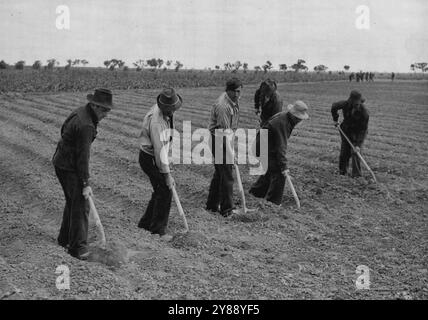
(82, 79)
(282, 253)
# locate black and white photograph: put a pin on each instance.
(213, 154)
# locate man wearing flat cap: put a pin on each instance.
(71, 162)
(223, 123)
(267, 101)
(354, 125)
(155, 140)
(271, 185)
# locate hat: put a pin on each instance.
(102, 98)
(233, 84)
(168, 100)
(355, 95)
(299, 109)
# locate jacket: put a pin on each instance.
(269, 108)
(73, 150)
(279, 129)
(355, 120)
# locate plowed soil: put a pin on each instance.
(277, 253)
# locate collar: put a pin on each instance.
(231, 103)
(91, 112)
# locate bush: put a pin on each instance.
(37, 65)
(20, 65)
(3, 65)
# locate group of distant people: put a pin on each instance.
(361, 76)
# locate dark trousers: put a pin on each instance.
(270, 185)
(155, 218)
(221, 187)
(346, 152)
(74, 226)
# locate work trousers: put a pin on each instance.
(220, 195)
(74, 227)
(270, 185)
(155, 218)
(347, 152)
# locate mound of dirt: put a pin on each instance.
(114, 255)
(189, 239)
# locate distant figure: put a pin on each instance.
(351, 77)
(371, 75)
(367, 76)
(354, 125)
(392, 76)
(268, 100)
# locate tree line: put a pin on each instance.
(155, 64)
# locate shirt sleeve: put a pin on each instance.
(335, 110)
(160, 139)
(85, 136)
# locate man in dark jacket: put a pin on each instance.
(268, 100)
(271, 184)
(354, 125)
(71, 161)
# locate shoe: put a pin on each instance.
(211, 210)
(81, 256)
(166, 238)
(230, 213)
(64, 245)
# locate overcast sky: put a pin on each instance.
(204, 33)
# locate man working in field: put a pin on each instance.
(354, 125)
(71, 161)
(271, 185)
(223, 123)
(155, 140)
(268, 100)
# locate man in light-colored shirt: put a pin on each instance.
(155, 139)
(223, 122)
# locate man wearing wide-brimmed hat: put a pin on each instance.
(271, 185)
(71, 161)
(354, 125)
(155, 139)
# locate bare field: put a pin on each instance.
(282, 253)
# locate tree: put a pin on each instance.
(422, 66)
(320, 68)
(84, 62)
(113, 63)
(51, 64)
(3, 65)
(300, 65)
(139, 64)
(257, 68)
(267, 66)
(227, 66)
(37, 65)
(20, 65)
(153, 63)
(245, 67)
(160, 63)
(283, 67)
(346, 67)
(236, 66)
(217, 67)
(69, 63)
(178, 65)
